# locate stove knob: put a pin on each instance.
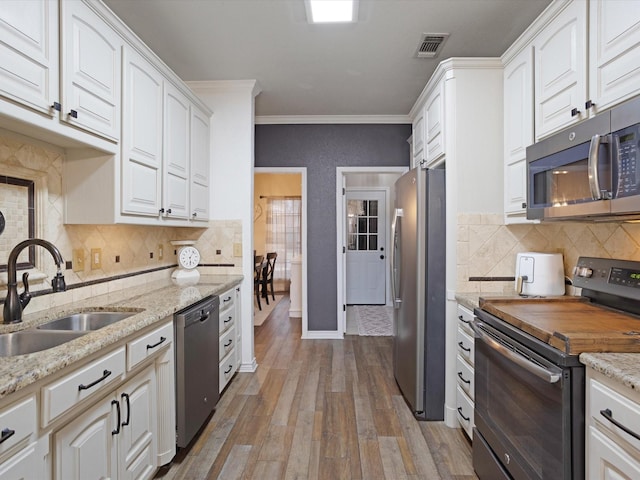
(585, 272)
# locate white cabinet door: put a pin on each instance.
(91, 71)
(560, 70)
(614, 51)
(434, 124)
(29, 53)
(606, 460)
(200, 165)
(141, 136)
(417, 137)
(515, 188)
(30, 462)
(175, 192)
(115, 439)
(138, 426)
(85, 448)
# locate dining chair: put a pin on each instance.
(258, 267)
(268, 277)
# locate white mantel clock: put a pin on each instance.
(188, 259)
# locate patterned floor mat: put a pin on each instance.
(374, 320)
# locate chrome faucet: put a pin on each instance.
(14, 303)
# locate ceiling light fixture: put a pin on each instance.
(331, 11)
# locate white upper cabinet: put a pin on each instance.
(91, 71)
(177, 116)
(434, 124)
(518, 132)
(29, 53)
(560, 70)
(417, 137)
(141, 136)
(614, 51)
(200, 166)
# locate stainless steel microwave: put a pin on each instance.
(589, 170)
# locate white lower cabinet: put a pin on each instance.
(29, 462)
(230, 336)
(115, 438)
(465, 390)
(612, 426)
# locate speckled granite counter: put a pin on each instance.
(622, 367)
(154, 302)
(469, 300)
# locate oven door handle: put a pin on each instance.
(540, 372)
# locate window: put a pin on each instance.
(284, 236)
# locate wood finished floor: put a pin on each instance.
(319, 409)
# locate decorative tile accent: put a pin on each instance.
(487, 248)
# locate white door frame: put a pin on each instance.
(303, 180)
(341, 235)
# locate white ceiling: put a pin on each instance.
(365, 68)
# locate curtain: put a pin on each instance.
(284, 236)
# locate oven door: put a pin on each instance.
(522, 408)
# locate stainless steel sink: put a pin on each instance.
(30, 341)
(84, 322)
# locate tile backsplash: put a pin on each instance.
(137, 247)
(487, 248)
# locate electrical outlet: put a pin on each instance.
(96, 258)
(78, 260)
(237, 249)
(160, 251)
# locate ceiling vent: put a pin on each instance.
(431, 45)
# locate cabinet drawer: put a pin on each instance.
(465, 345)
(620, 408)
(464, 375)
(465, 317)
(227, 319)
(18, 424)
(227, 299)
(227, 369)
(64, 394)
(148, 344)
(464, 406)
(227, 343)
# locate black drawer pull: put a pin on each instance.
(228, 319)
(461, 345)
(228, 343)
(466, 419)
(7, 433)
(105, 374)
(162, 340)
(225, 300)
(126, 397)
(461, 318)
(606, 413)
(117, 430)
(462, 378)
(230, 368)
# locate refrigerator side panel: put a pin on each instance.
(435, 294)
(405, 353)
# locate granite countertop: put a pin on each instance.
(469, 300)
(622, 367)
(153, 301)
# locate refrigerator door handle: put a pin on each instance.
(395, 232)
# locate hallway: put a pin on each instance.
(324, 409)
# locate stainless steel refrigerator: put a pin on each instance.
(418, 289)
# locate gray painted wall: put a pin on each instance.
(322, 148)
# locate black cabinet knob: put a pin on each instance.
(575, 112)
(168, 211)
(588, 104)
(524, 204)
(73, 114)
(56, 106)
(161, 210)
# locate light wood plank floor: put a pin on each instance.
(319, 409)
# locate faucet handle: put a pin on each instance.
(25, 296)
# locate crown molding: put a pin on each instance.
(225, 86)
(331, 119)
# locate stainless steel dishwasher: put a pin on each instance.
(196, 333)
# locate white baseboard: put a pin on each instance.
(249, 367)
(295, 313)
(451, 417)
(323, 335)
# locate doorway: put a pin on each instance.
(280, 225)
(356, 183)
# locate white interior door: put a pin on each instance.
(366, 255)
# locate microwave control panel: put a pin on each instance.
(627, 145)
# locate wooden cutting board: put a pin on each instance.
(570, 324)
